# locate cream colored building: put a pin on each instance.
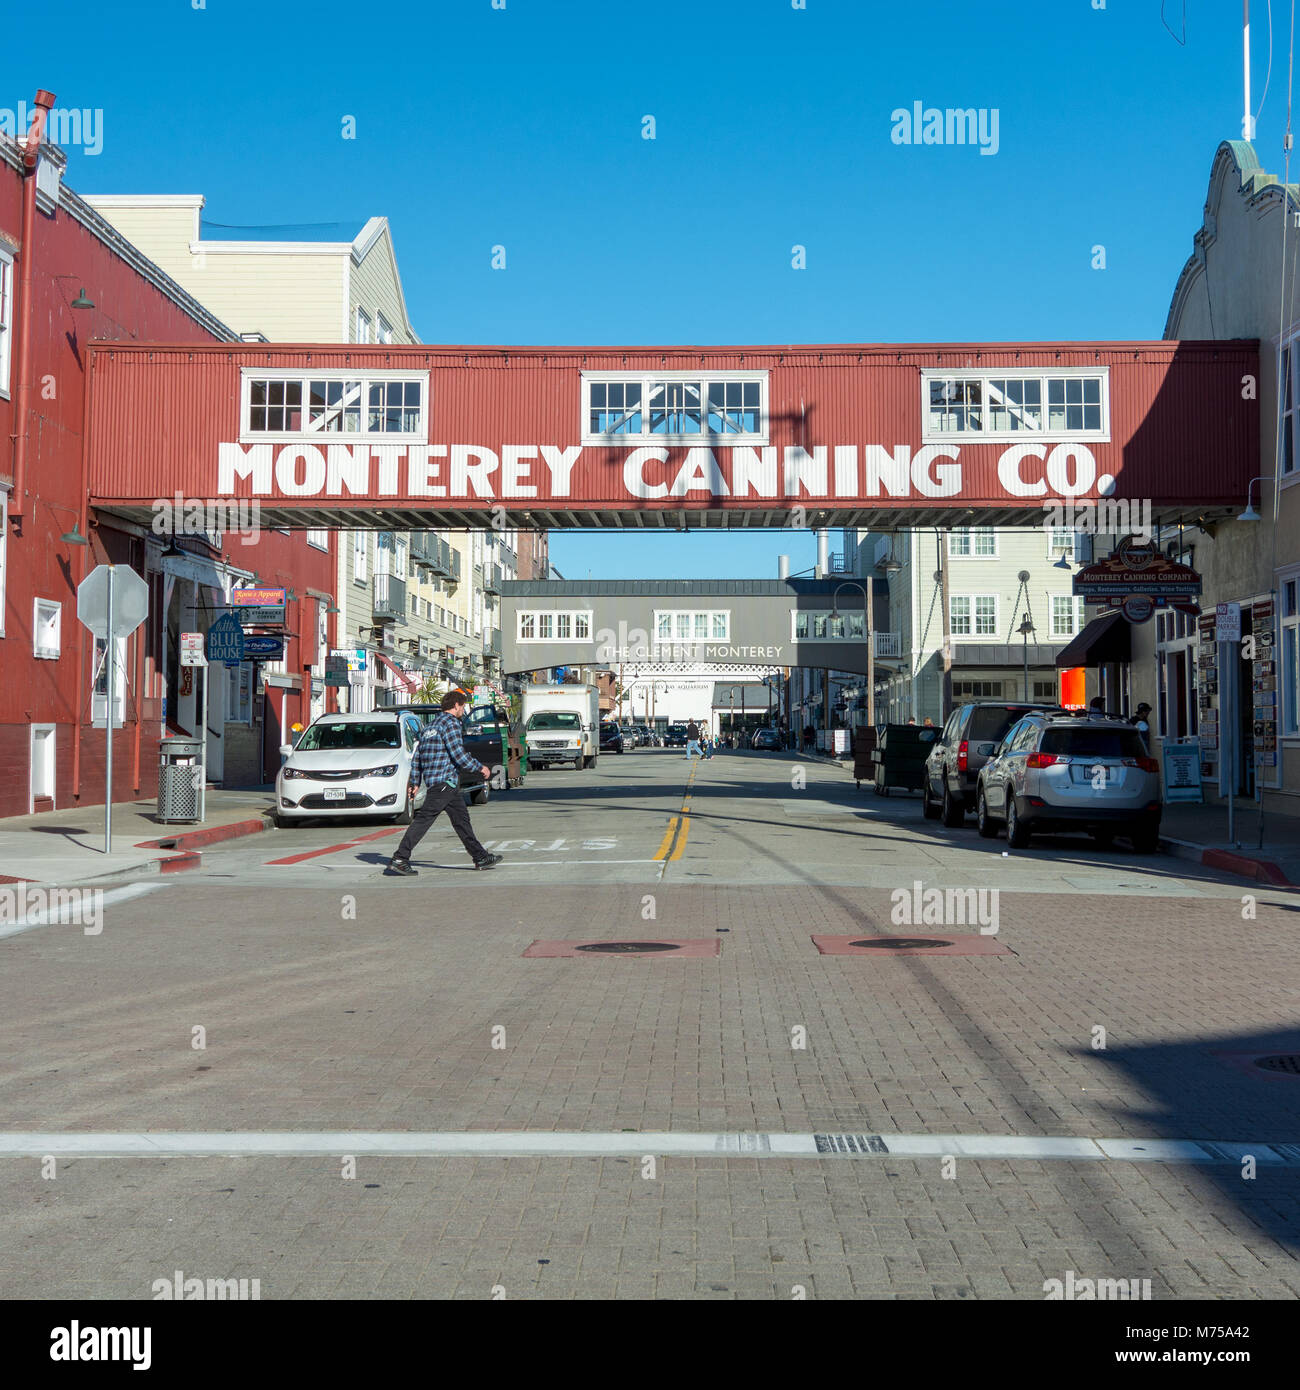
(398, 593)
(1240, 282)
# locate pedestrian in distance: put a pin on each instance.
(438, 756)
(693, 740)
(1097, 708)
(1142, 724)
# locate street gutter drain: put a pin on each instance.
(902, 943)
(1288, 1063)
(631, 947)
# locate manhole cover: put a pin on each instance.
(629, 947)
(1288, 1062)
(902, 943)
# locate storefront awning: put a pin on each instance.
(1103, 640)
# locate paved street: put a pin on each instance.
(1118, 1000)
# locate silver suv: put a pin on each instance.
(1053, 774)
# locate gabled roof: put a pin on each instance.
(1236, 169)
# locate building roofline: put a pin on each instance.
(83, 213)
(1253, 184)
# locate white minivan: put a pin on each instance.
(350, 765)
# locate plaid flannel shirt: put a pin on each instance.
(440, 751)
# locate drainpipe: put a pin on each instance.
(31, 157)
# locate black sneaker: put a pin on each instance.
(490, 862)
(400, 866)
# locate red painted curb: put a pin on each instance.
(195, 839)
(178, 863)
(1261, 870)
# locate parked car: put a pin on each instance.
(611, 737)
(765, 738)
(1068, 773)
(675, 736)
(350, 765)
(965, 744)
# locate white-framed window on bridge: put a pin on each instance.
(290, 406)
(555, 625)
(692, 625)
(810, 625)
(1005, 406)
(690, 407)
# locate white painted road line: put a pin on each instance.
(68, 905)
(519, 1143)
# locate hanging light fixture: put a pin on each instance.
(74, 537)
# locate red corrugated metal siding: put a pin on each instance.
(1180, 429)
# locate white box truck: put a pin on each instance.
(562, 724)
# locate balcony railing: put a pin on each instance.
(491, 579)
(888, 644)
(390, 597)
(453, 566)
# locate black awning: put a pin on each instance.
(1103, 640)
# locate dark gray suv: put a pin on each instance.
(968, 739)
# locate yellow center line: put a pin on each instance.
(674, 840)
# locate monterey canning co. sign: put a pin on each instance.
(649, 472)
(582, 435)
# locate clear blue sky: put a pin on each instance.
(523, 127)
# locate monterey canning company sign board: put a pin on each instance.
(402, 436)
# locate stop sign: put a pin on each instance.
(130, 600)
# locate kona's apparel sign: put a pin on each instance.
(401, 437)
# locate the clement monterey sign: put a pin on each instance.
(616, 436)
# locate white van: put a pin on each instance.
(562, 724)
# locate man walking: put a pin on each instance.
(441, 751)
(693, 740)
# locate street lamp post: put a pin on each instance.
(1026, 627)
(871, 639)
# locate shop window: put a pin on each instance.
(47, 625)
(6, 317)
(1290, 655)
(99, 684)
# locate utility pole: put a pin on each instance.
(942, 577)
(871, 654)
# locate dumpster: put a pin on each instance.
(180, 762)
(899, 756)
(864, 744)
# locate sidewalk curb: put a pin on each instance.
(186, 856)
(1228, 861)
(197, 839)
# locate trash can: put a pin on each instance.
(178, 790)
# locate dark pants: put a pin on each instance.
(437, 800)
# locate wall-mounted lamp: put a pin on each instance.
(1250, 514)
(74, 537)
(82, 302)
